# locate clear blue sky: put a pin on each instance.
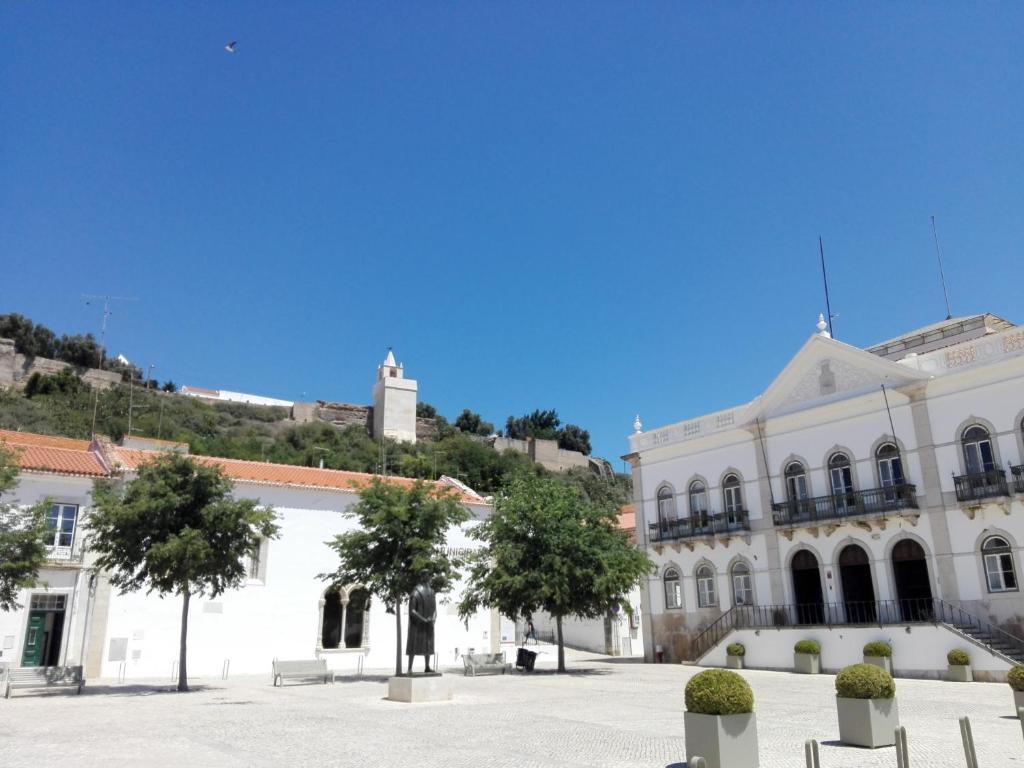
(604, 208)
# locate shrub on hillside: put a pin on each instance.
(1016, 678)
(719, 692)
(865, 681)
(957, 657)
(736, 649)
(878, 648)
(812, 647)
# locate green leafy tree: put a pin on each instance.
(425, 411)
(80, 350)
(548, 549)
(574, 438)
(402, 532)
(176, 530)
(473, 424)
(169, 386)
(22, 547)
(541, 425)
(29, 339)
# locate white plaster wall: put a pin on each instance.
(589, 634)
(919, 653)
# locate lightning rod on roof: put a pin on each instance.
(942, 274)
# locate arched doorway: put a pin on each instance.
(858, 588)
(913, 587)
(810, 605)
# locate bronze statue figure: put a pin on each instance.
(422, 614)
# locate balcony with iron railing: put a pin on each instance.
(977, 486)
(1018, 478)
(66, 555)
(840, 506)
(699, 526)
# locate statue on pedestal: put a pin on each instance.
(422, 614)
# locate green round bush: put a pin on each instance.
(736, 649)
(865, 681)
(878, 648)
(1015, 678)
(958, 657)
(812, 647)
(719, 692)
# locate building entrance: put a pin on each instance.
(913, 587)
(810, 605)
(45, 631)
(858, 588)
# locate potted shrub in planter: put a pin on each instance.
(1016, 680)
(719, 720)
(807, 657)
(879, 654)
(959, 666)
(734, 654)
(866, 705)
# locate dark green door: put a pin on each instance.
(32, 656)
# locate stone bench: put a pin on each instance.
(42, 677)
(484, 663)
(312, 669)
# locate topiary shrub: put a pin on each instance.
(812, 647)
(719, 692)
(1015, 678)
(878, 648)
(865, 681)
(736, 649)
(958, 658)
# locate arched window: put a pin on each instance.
(890, 467)
(732, 495)
(343, 618)
(706, 597)
(742, 585)
(978, 455)
(840, 474)
(673, 589)
(698, 499)
(330, 636)
(666, 505)
(796, 481)
(355, 617)
(999, 571)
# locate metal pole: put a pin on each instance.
(811, 754)
(824, 277)
(968, 739)
(902, 758)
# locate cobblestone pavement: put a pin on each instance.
(604, 713)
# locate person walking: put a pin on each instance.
(530, 632)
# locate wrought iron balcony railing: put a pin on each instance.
(981, 485)
(838, 506)
(1018, 478)
(72, 554)
(700, 525)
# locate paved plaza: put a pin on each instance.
(605, 713)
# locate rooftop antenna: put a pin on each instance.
(824, 277)
(942, 275)
(89, 298)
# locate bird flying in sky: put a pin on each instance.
(230, 47)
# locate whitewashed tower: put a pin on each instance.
(394, 402)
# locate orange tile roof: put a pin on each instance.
(43, 453)
(278, 474)
(627, 518)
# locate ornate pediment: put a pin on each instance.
(828, 378)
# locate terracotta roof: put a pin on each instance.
(279, 474)
(627, 518)
(42, 453)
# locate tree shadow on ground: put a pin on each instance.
(131, 689)
(621, 660)
(379, 678)
(571, 672)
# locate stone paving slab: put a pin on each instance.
(604, 713)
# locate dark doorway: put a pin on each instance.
(858, 589)
(331, 634)
(45, 631)
(810, 605)
(913, 587)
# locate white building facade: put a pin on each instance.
(878, 488)
(283, 610)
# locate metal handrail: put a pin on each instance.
(703, 524)
(925, 610)
(837, 506)
(980, 485)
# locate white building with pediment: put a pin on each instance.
(866, 494)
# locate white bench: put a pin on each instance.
(42, 677)
(484, 663)
(312, 669)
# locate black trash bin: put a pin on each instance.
(525, 659)
(531, 659)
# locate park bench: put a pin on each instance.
(312, 669)
(484, 663)
(42, 677)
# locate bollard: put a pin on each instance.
(174, 671)
(225, 669)
(696, 762)
(902, 756)
(122, 671)
(811, 753)
(968, 739)
(1020, 716)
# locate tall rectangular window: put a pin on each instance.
(60, 524)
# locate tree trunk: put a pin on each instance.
(182, 652)
(561, 647)
(398, 639)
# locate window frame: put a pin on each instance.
(889, 465)
(742, 570)
(790, 476)
(672, 578)
(54, 525)
(665, 501)
(732, 493)
(1002, 557)
(707, 592)
(977, 454)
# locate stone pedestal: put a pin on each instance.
(414, 689)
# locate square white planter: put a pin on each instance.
(1018, 700)
(885, 662)
(724, 741)
(961, 673)
(868, 722)
(807, 663)
(734, 662)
